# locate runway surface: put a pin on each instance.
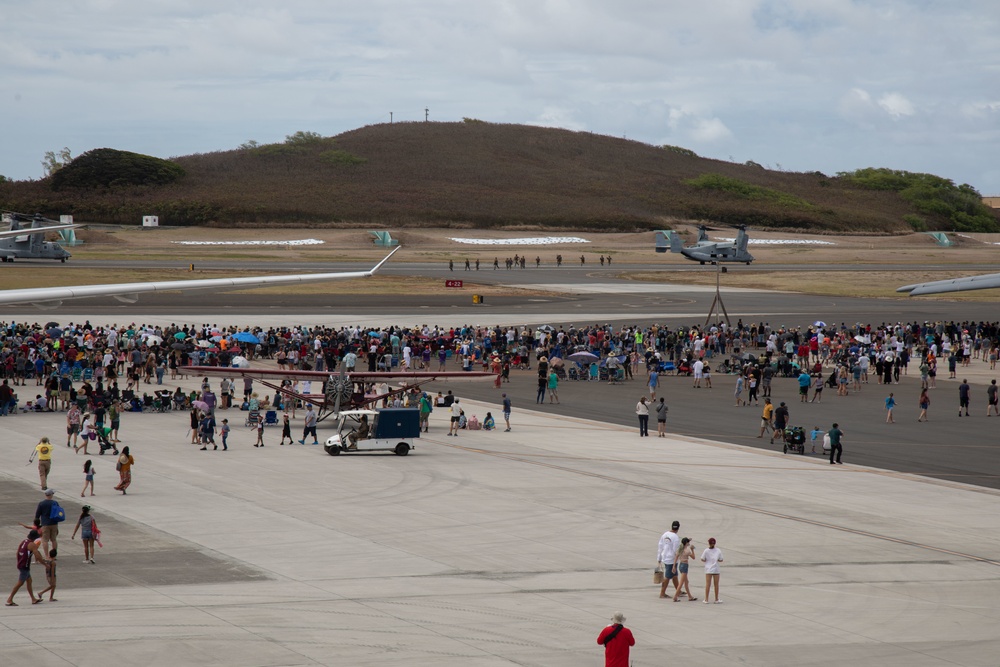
(948, 448)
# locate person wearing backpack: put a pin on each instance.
(48, 516)
(26, 550)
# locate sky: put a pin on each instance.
(795, 85)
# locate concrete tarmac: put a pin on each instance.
(496, 549)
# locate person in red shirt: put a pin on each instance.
(617, 640)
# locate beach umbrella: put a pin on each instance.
(51, 324)
(819, 323)
(555, 362)
(54, 332)
(152, 340)
(180, 335)
(246, 337)
(202, 344)
(201, 405)
(240, 362)
(583, 357)
(546, 327)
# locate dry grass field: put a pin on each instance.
(881, 263)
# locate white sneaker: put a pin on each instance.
(716, 602)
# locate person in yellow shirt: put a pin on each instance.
(765, 417)
(44, 452)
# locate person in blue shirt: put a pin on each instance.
(890, 403)
(816, 434)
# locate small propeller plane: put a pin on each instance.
(21, 242)
(343, 390)
(705, 250)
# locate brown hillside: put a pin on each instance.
(470, 174)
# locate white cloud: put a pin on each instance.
(811, 84)
(895, 105)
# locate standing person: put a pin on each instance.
(553, 386)
(836, 448)
(88, 532)
(991, 396)
(50, 577)
(543, 385)
(804, 381)
(925, 402)
(44, 452)
(661, 418)
(48, 525)
(26, 550)
(259, 427)
(780, 421)
(73, 419)
(456, 414)
(738, 392)
(124, 466)
(225, 430)
(711, 557)
(617, 640)
(654, 382)
(684, 556)
(666, 555)
(286, 430)
(309, 427)
(115, 416)
(506, 412)
(963, 397)
(817, 389)
(425, 411)
(194, 421)
(752, 389)
(765, 417)
(890, 403)
(88, 478)
(207, 430)
(642, 411)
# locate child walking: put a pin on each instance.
(260, 433)
(50, 576)
(88, 478)
(286, 431)
(88, 532)
(224, 430)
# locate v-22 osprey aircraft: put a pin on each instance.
(706, 251)
(28, 242)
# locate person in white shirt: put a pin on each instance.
(711, 557)
(666, 554)
(456, 413)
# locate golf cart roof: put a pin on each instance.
(357, 413)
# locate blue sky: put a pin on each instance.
(800, 85)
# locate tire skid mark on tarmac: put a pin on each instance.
(722, 503)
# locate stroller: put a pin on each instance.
(104, 441)
(795, 440)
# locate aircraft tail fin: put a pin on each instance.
(742, 239)
(676, 244)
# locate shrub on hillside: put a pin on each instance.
(744, 190)
(107, 167)
(931, 194)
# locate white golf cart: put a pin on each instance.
(385, 429)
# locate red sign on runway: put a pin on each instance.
(453, 283)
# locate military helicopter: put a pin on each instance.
(705, 250)
(28, 242)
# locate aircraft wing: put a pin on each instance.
(271, 374)
(986, 281)
(129, 292)
(24, 231)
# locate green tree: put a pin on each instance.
(53, 161)
(301, 138)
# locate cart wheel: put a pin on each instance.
(402, 449)
(784, 449)
(332, 450)
(802, 450)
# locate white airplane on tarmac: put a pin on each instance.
(969, 283)
(52, 297)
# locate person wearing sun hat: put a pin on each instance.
(616, 640)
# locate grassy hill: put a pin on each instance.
(481, 174)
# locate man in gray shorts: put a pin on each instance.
(666, 553)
